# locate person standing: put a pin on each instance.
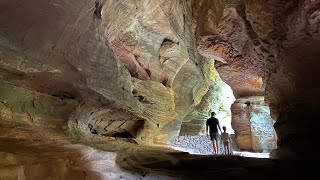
(226, 140)
(213, 125)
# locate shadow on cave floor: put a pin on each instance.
(36, 154)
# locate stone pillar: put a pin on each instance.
(253, 124)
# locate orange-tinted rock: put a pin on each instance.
(231, 41)
(253, 125)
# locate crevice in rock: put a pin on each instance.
(163, 60)
(164, 81)
(98, 10)
(5, 104)
(141, 65)
(148, 72)
(166, 40)
(132, 70)
(63, 95)
(143, 99)
(134, 91)
(92, 130)
(140, 98)
(124, 134)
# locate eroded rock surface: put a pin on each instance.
(253, 125)
(134, 58)
(40, 153)
(224, 34)
(143, 69)
(218, 98)
(268, 47)
(291, 90)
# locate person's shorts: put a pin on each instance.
(226, 143)
(214, 136)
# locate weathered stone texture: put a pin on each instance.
(227, 37)
(268, 48)
(253, 125)
(23, 107)
(129, 60)
(141, 60)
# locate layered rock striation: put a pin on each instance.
(134, 70)
(268, 48)
(143, 69)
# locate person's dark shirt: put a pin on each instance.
(213, 122)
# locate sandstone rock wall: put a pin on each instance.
(253, 125)
(218, 97)
(224, 34)
(20, 107)
(291, 87)
(139, 57)
(267, 48)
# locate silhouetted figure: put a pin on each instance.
(226, 140)
(213, 124)
(98, 9)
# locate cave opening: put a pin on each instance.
(247, 121)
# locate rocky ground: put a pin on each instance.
(198, 144)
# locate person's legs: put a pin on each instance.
(214, 143)
(217, 142)
(212, 139)
(224, 148)
(218, 146)
(229, 149)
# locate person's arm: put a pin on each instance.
(207, 129)
(219, 127)
(207, 124)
